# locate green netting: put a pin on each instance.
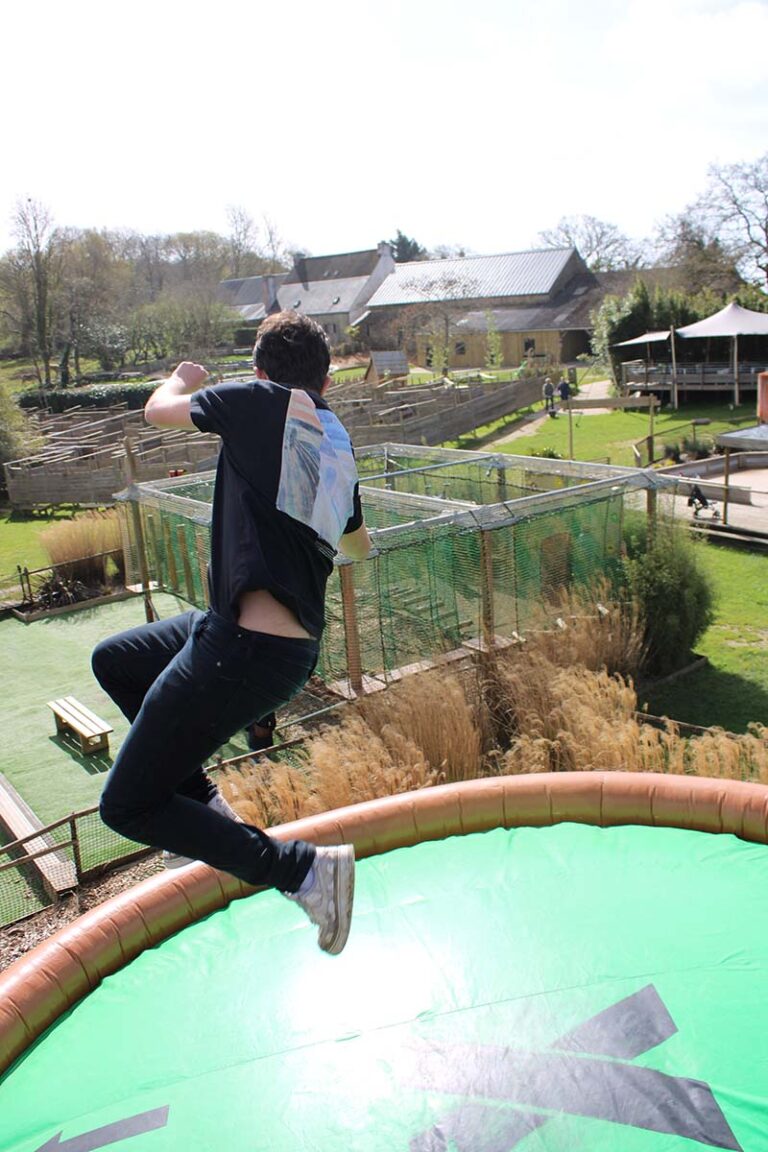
(469, 546)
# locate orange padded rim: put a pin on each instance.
(38, 988)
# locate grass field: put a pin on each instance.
(733, 689)
(611, 437)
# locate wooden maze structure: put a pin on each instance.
(83, 461)
(397, 410)
(83, 458)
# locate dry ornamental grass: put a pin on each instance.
(563, 700)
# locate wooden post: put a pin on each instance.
(726, 478)
(501, 482)
(189, 582)
(570, 430)
(651, 509)
(486, 590)
(74, 836)
(674, 368)
(173, 576)
(650, 430)
(351, 629)
(202, 563)
(157, 555)
(736, 389)
(130, 464)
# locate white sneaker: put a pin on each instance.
(219, 804)
(328, 903)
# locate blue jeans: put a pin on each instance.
(187, 684)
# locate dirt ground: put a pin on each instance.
(19, 938)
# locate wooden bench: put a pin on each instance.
(55, 870)
(72, 716)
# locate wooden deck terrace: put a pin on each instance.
(714, 377)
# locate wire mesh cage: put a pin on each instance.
(468, 545)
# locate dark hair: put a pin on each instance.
(293, 350)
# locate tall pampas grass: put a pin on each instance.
(79, 547)
(563, 700)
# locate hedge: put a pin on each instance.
(89, 396)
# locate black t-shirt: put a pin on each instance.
(286, 492)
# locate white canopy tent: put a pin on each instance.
(655, 338)
(732, 321)
(646, 338)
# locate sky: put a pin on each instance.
(477, 124)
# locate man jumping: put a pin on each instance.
(286, 497)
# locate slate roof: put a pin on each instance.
(570, 310)
(343, 266)
(316, 286)
(323, 297)
(533, 273)
(249, 290)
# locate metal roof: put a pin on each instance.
(533, 273)
(755, 438)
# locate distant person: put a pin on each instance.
(286, 497)
(564, 390)
(548, 391)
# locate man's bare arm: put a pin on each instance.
(356, 545)
(169, 406)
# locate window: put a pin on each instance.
(460, 348)
(529, 345)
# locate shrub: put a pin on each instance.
(134, 396)
(673, 594)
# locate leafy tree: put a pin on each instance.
(622, 318)
(405, 249)
(15, 436)
(494, 350)
(601, 245)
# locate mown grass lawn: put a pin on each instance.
(610, 438)
(20, 540)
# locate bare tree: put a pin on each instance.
(702, 260)
(273, 248)
(602, 246)
(35, 267)
(736, 204)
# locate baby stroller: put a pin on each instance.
(698, 501)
